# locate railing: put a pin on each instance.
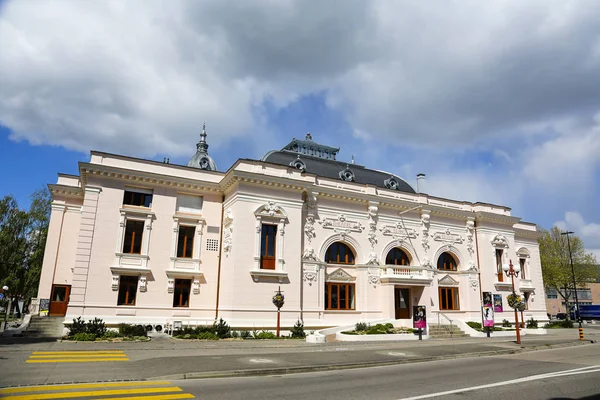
(403, 271)
(446, 317)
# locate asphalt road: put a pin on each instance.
(572, 373)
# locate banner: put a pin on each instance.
(419, 317)
(487, 299)
(497, 303)
(488, 315)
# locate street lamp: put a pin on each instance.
(577, 314)
(8, 307)
(513, 271)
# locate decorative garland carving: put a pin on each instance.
(425, 221)
(228, 232)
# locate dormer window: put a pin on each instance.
(137, 197)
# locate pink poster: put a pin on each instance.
(488, 316)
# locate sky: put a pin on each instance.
(495, 101)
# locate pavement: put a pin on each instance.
(26, 362)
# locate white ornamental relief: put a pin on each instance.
(143, 283)
(309, 229)
(196, 286)
(447, 236)
(398, 231)
(342, 225)
(374, 278)
(373, 260)
(309, 277)
(228, 233)
(474, 284)
(470, 230)
(372, 235)
(309, 255)
(115, 282)
(425, 219)
(500, 241)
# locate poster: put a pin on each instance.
(44, 306)
(419, 317)
(497, 303)
(487, 299)
(488, 315)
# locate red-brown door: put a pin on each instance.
(402, 303)
(59, 300)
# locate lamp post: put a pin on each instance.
(513, 271)
(8, 307)
(278, 301)
(577, 314)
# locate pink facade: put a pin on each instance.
(209, 244)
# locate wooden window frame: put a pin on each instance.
(187, 245)
(443, 292)
(346, 261)
(128, 248)
(523, 264)
(349, 288)
(499, 273)
(395, 259)
(454, 264)
(177, 286)
(268, 261)
(126, 283)
(137, 199)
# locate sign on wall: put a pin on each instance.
(487, 299)
(44, 306)
(498, 303)
(419, 317)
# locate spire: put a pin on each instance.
(202, 146)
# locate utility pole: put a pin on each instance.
(577, 314)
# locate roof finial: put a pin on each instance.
(352, 158)
(308, 136)
(202, 146)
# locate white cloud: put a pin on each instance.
(588, 232)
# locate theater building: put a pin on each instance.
(140, 241)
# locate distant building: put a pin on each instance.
(139, 241)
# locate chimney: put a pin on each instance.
(420, 182)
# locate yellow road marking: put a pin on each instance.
(160, 396)
(94, 393)
(47, 388)
(76, 355)
(79, 352)
(75, 360)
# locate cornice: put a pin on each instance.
(521, 233)
(496, 218)
(149, 178)
(66, 191)
(265, 180)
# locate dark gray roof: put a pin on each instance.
(328, 168)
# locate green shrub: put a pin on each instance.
(474, 325)
(110, 335)
(389, 325)
(84, 337)
(566, 323)
(266, 335)
(532, 323)
(78, 326)
(375, 331)
(245, 334)
(506, 323)
(221, 329)
(361, 326)
(96, 327)
(298, 330)
(207, 336)
(235, 334)
(130, 330)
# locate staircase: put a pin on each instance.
(445, 332)
(45, 327)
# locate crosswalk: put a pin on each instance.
(142, 390)
(38, 357)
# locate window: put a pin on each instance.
(522, 264)
(397, 257)
(446, 262)
(135, 198)
(339, 296)
(449, 298)
(127, 290)
(181, 297)
(526, 299)
(339, 253)
(133, 237)
(499, 272)
(185, 241)
(189, 204)
(551, 294)
(267, 246)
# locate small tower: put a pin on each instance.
(201, 159)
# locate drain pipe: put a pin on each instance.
(220, 257)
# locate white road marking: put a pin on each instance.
(261, 360)
(577, 371)
(396, 354)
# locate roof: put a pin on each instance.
(324, 165)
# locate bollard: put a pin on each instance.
(420, 333)
(580, 333)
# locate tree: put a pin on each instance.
(556, 263)
(22, 243)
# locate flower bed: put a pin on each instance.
(95, 330)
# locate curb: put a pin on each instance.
(334, 367)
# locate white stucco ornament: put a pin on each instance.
(143, 283)
(309, 277)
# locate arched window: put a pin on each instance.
(446, 262)
(397, 257)
(339, 253)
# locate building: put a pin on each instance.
(586, 295)
(139, 241)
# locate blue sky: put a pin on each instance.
(496, 102)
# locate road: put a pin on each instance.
(534, 375)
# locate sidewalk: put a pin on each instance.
(184, 359)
